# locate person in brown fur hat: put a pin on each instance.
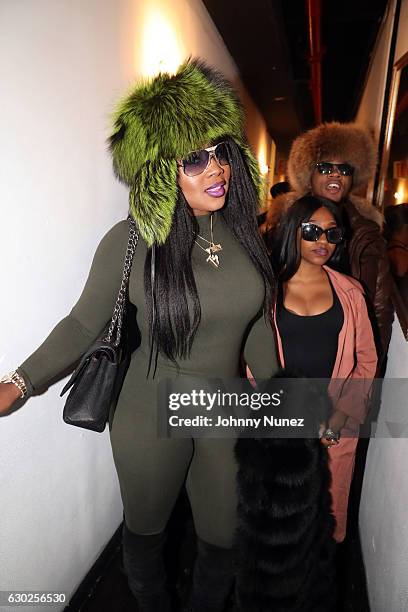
(335, 160)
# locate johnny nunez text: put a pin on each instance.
(253, 423)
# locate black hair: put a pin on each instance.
(177, 311)
(285, 250)
(279, 188)
(396, 217)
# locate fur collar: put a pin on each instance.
(367, 210)
(363, 206)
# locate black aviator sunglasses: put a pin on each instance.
(197, 162)
(311, 233)
(328, 168)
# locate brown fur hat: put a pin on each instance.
(343, 142)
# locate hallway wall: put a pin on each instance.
(384, 503)
(63, 65)
(383, 511)
(372, 99)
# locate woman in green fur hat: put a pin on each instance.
(201, 282)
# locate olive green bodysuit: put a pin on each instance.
(152, 470)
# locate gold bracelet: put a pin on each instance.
(16, 379)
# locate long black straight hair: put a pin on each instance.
(286, 247)
(176, 313)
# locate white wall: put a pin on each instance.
(384, 503)
(370, 109)
(402, 42)
(63, 64)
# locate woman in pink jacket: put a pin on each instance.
(323, 330)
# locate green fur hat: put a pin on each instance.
(162, 120)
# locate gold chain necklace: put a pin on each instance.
(212, 249)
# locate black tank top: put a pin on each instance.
(310, 343)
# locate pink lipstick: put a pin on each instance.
(321, 252)
(217, 190)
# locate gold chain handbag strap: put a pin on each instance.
(117, 317)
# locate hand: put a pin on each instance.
(328, 443)
(323, 440)
(9, 393)
(336, 423)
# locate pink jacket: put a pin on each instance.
(356, 354)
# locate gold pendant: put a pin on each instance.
(214, 260)
(213, 248)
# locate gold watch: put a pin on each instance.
(16, 379)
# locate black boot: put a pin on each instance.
(213, 578)
(144, 567)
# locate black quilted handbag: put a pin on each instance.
(98, 378)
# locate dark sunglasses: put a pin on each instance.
(328, 168)
(197, 162)
(312, 232)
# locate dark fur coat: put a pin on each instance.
(285, 544)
